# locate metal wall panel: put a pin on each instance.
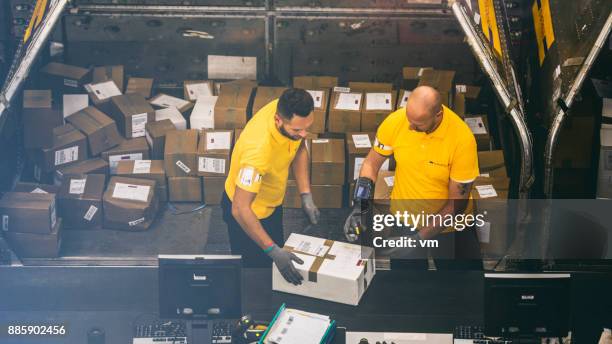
(340, 32)
(246, 3)
(157, 47)
(388, 4)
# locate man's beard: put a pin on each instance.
(287, 135)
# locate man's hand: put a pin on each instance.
(283, 259)
(310, 208)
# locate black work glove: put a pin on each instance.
(283, 259)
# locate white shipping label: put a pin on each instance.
(247, 175)
(358, 164)
(486, 191)
(317, 97)
(362, 141)
(485, 175)
(53, 215)
(77, 186)
(199, 90)
(232, 67)
(74, 103)
(183, 167)
(484, 232)
(221, 140)
(164, 100)
(90, 212)
(138, 124)
(142, 166)
(476, 18)
(135, 222)
(104, 90)
(404, 99)
(313, 248)
(66, 155)
(476, 125)
(211, 165)
(131, 192)
(71, 83)
(390, 180)
(349, 101)
(320, 141)
(378, 101)
(461, 88)
(5, 223)
(39, 191)
(113, 160)
(342, 89)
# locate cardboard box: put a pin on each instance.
(39, 175)
(324, 196)
(72, 103)
(203, 114)
(345, 112)
(412, 75)
(265, 95)
(146, 169)
(155, 133)
(65, 78)
(604, 173)
(174, 115)
(142, 86)
(114, 73)
(575, 143)
(492, 164)
(101, 94)
(358, 145)
(184, 189)
(328, 162)
(402, 98)
(232, 105)
(490, 197)
(100, 130)
(480, 128)
(134, 149)
(36, 188)
(332, 270)
(91, 166)
(459, 104)
(315, 82)
(36, 245)
(214, 151)
(69, 146)
(131, 112)
(321, 104)
(469, 91)
(39, 119)
(383, 187)
(194, 89)
(166, 101)
(130, 204)
(441, 80)
(237, 133)
(180, 153)
(80, 201)
(213, 189)
(28, 212)
(378, 105)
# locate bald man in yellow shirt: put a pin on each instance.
(436, 165)
(271, 142)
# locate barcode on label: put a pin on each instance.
(211, 165)
(342, 89)
(135, 222)
(138, 124)
(71, 83)
(5, 222)
(67, 155)
(183, 167)
(90, 212)
(77, 186)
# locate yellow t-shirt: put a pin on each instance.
(260, 162)
(427, 162)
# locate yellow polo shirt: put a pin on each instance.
(260, 162)
(427, 162)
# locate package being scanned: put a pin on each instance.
(332, 270)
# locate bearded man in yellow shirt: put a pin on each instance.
(436, 165)
(271, 142)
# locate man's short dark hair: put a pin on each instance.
(295, 101)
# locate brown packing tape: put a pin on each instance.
(316, 264)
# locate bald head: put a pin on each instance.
(423, 109)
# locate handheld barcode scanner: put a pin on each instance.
(248, 331)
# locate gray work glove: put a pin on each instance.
(283, 259)
(310, 208)
(353, 226)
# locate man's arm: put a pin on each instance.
(244, 215)
(300, 169)
(371, 165)
(458, 198)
